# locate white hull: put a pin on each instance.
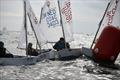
(67, 54)
(62, 54)
(59, 55)
(18, 61)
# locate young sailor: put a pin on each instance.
(31, 51)
(61, 44)
(3, 53)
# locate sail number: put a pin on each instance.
(32, 16)
(66, 10)
(111, 13)
(51, 18)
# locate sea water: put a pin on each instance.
(78, 69)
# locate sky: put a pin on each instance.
(86, 14)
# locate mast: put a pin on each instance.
(34, 33)
(100, 25)
(61, 22)
(25, 26)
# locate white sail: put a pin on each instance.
(112, 16)
(22, 39)
(35, 25)
(66, 14)
(50, 23)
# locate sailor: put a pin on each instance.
(31, 51)
(61, 44)
(3, 51)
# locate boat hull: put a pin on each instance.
(18, 61)
(65, 54)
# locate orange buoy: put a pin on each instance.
(107, 47)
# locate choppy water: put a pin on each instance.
(79, 69)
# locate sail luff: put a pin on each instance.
(22, 38)
(25, 25)
(62, 24)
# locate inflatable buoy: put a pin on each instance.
(107, 46)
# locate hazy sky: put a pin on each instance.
(86, 14)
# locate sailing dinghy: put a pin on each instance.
(58, 25)
(51, 24)
(27, 60)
